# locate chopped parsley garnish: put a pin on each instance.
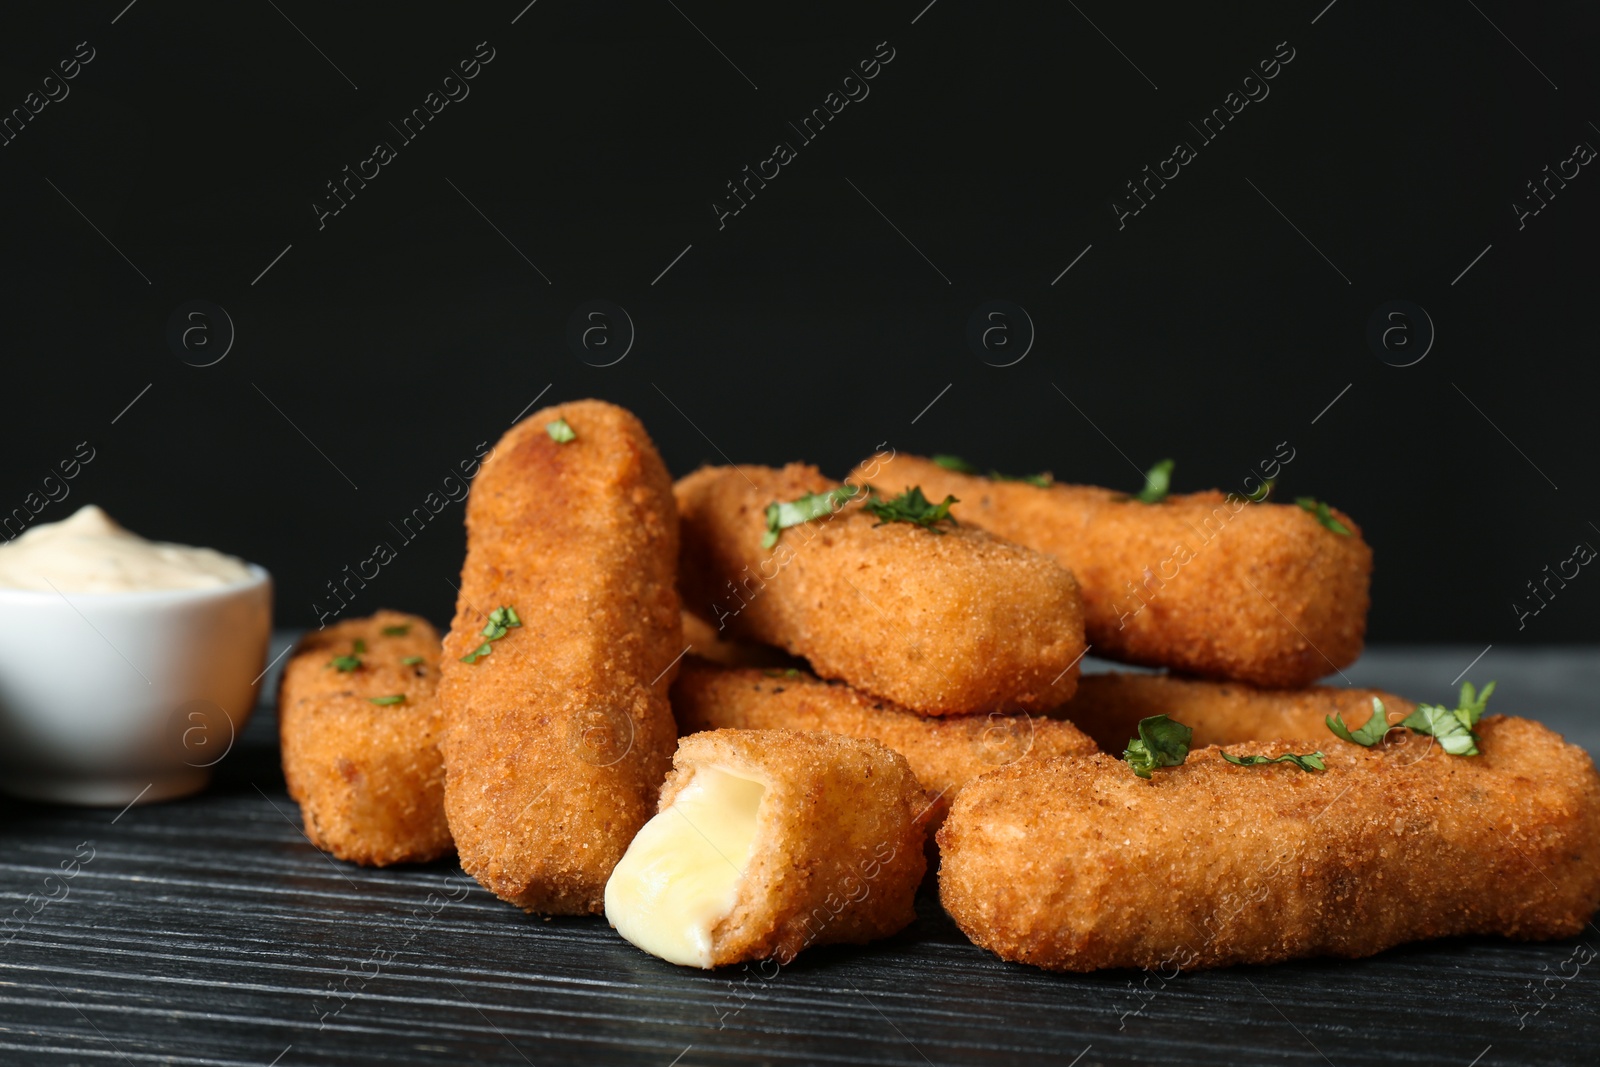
(560, 432)
(1311, 761)
(1376, 729)
(1323, 513)
(913, 507)
(781, 516)
(360, 647)
(501, 619)
(1260, 495)
(345, 663)
(397, 631)
(1157, 482)
(1043, 479)
(955, 463)
(398, 698)
(1452, 727)
(787, 672)
(1162, 742)
(411, 661)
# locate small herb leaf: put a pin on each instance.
(1323, 513)
(1311, 761)
(1259, 496)
(913, 507)
(1452, 727)
(345, 663)
(398, 698)
(360, 647)
(1157, 482)
(501, 619)
(1375, 730)
(560, 432)
(955, 463)
(397, 631)
(411, 661)
(1162, 742)
(781, 516)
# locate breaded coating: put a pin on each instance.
(1108, 708)
(943, 623)
(836, 855)
(557, 739)
(1076, 864)
(944, 753)
(367, 776)
(705, 642)
(1204, 583)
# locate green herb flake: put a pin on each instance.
(1043, 480)
(1311, 761)
(1157, 482)
(397, 631)
(411, 661)
(1452, 727)
(560, 432)
(1323, 513)
(781, 516)
(345, 663)
(360, 647)
(1162, 742)
(398, 698)
(913, 507)
(787, 672)
(1260, 495)
(1375, 730)
(501, 619)
(955, 463)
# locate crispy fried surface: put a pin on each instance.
(837, 855)
(944, 753)
(948, 623)
(557, 741)
(1076, 864)
(1170, 584)
(368, 777)
(1108, 708)
(705, 642)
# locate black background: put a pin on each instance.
(407, 330)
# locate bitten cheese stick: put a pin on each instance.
(944, 753)
(557, 665)
(1203, 583)
(768, 842)
(1108, 708)
(1075, 863)
(359, 727)
(942, 620)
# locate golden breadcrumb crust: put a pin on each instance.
(944, 753)
(1201, 582)
(949, 622)
(1076, 864)
(368, 777)
(557, 741)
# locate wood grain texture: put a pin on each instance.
(207, 931)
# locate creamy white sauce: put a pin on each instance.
(89, 553)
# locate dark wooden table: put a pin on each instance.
(208, 931)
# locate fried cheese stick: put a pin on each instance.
(559, 735)
(1204, 583)
(363, 765)
(945, 620)
(1075, 864)
(768, 842)
(944, 753)
(1108, 708)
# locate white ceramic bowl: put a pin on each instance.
(110, 697)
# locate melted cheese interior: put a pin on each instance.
(680, 876)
